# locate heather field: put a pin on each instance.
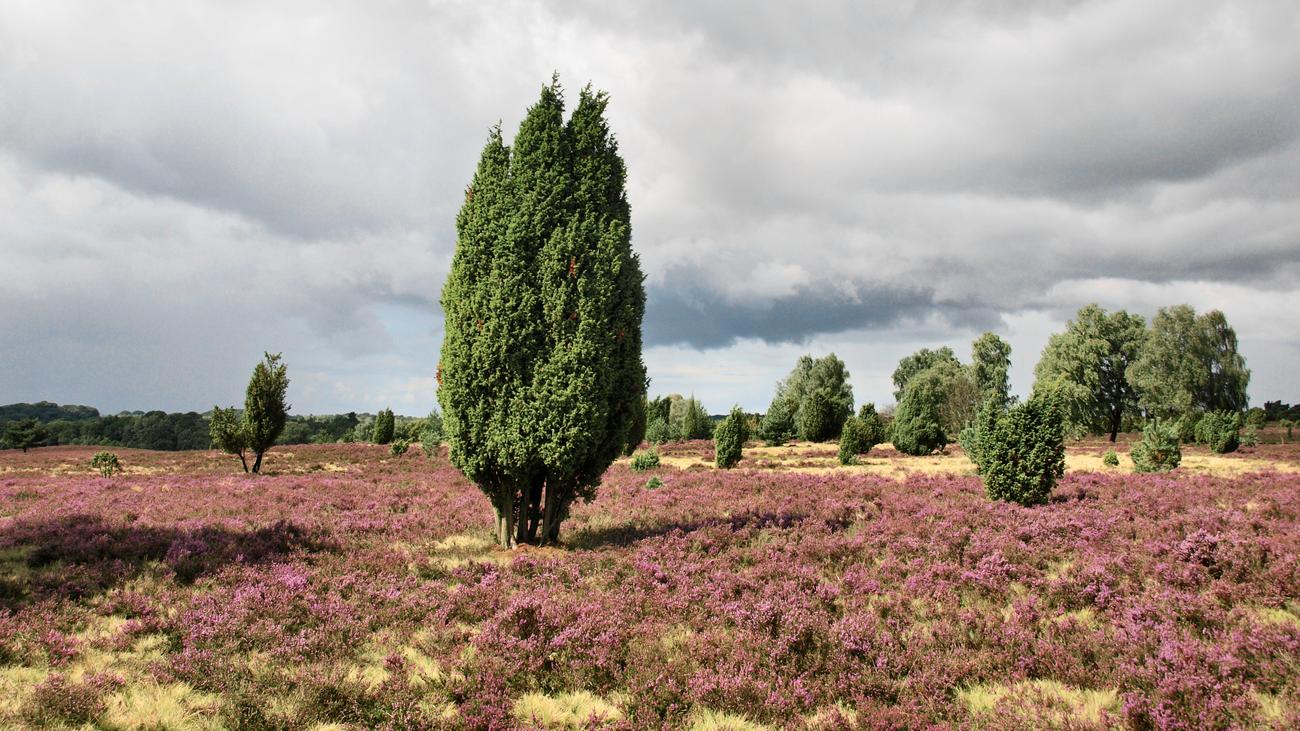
(347, 588)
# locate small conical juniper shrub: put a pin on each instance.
(1022, 451)
(729, 438)
(1158, 450)
(1110, 459)
(646, 459)
(855, 439)
(875, 426)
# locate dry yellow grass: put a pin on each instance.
(885, 461)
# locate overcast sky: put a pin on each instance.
(184, 185)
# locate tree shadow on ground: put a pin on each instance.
(627, 534)
(79, 555)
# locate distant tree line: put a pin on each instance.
(45, 424)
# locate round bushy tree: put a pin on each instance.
(729, 438)
(1158, 450)
(541, 375)
(816, 417)
(1021, 451)
(875, 426)
(917, 427)
(265, 410)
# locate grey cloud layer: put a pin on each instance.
(794, 171)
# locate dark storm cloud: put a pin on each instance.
(798, 173)
(690, 313)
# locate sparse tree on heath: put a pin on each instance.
(729, 438)
(265, 413)
(991, 366)
(265, 410)
(541, 377)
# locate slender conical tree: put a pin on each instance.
(541, 372)
(265, 410)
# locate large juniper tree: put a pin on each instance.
(541, 377)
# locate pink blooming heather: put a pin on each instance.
(794, 600)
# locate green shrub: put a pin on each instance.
(855, 438)
(778, 423)
(917, 426)
(1110, 459)
(816, 416)
(1022, 451)
(729, 438)
(646, 459)
(382, 433)
(654, 483)
(106, 463)
(658, 432)
(399, 447)
(1158, 450)
(431, 434)
(1256, 417)
(1288, 425)
(1250, 437)
(695, 422)
(877, 433)
(1218, 431)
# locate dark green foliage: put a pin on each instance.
(990, 368)
(654, 483)
(1110, 459)
(778, 423)
(431, 433)
(228, 433)
(106, 462)
(264, 406)
(856, 437)
(382, 431)
(541, 378)
(1190, 365)
(1289, 425)
(658, 432)
(399, 447)
(919, 362)
(1218, 430)
(816, 417)
(917, 427)
(876, 433)
(24, 434)
(636, 432)
(1158, 450)
(646, 459)
(1086, 367)
(729, 438)
(46, 411)
(1021, 450)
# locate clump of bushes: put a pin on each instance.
(1288, 425)
(1110, 459)
(654, 483)
(1158, 450)
(106, 462)
(1218, 430)
(399, 447)
(646, 459)
(917, 428)
(729, 438)
(858, 437)
(1250, 437)
(1021, 452)
(778, 423)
